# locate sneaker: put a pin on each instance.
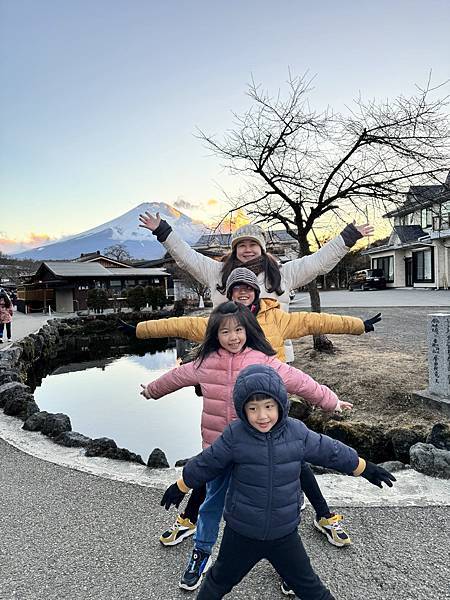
(335, 533)
(286, 590)
(198, 565)
(181, 529)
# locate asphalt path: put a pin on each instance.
(390, 297)
(65, 534)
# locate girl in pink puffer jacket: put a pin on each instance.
(233, 340)
(6, 315)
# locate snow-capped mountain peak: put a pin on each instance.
(125, 230)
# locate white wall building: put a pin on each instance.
(418, 251)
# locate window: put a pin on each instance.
(386, 264)
(423, 262)
(115, 283)
(425, 218)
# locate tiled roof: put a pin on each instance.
(93, 269)
(224, 239)
(409, 233)
(422, 196)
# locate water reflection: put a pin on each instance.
(102, 398)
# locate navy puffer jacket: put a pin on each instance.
(263, 499)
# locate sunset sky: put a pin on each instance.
(100, 100)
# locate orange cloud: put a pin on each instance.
(234, 221)
(212, 202)
(10, 245)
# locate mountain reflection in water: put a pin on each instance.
(102, 398)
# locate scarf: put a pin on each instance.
(256, 265)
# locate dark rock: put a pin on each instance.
(440, 436)
(370, 441)
(429, 460)
(107, 448)
(12, 389)
(100, 446)
(72, 439)
(394, 465)
(157, 460)
(54, 424)
(300, 410)
(21, 406)
(402, 440)
(179, 463)
(10, 356)
(35, 422)
(8, 375)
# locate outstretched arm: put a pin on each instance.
(298, 382)
(203, 268)
(327, 452)
(298, 324)
(204, 467)
(301, 271)
(175, 379)
(189, 328)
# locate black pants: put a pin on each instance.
(239, 554)
(196, 499)
(308, 482)
(8, 330)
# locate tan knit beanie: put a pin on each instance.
(248, 232)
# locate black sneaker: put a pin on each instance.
(198, 565)
(286, 590)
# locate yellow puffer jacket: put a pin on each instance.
(276, 324)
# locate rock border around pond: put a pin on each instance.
(375, 443)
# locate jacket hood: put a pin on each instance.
(260, 379)
(266, 304)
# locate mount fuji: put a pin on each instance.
(139, 242)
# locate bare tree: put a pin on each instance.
(118, 252)
(189, 281)
(299, 167)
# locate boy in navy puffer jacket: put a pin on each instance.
(265, 449)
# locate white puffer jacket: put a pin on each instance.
(294, 273)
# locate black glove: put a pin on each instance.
(377, 475)
(350, 235)
(369, 323)
(126, 328)
(173, 495)
(162, 231)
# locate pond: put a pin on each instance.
(102, 398)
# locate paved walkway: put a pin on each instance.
(23, 325)
(69, 534)
(377, 298)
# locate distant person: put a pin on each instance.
(262, 453)
(233, 340)
(6, 315)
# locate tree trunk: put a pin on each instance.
(321, 342)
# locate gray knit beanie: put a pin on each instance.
(241, 275)
(248, 232)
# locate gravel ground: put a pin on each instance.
(70, 535)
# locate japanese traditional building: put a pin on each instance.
(64, 285)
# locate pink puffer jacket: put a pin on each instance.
(217, 375)
(6, 314)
